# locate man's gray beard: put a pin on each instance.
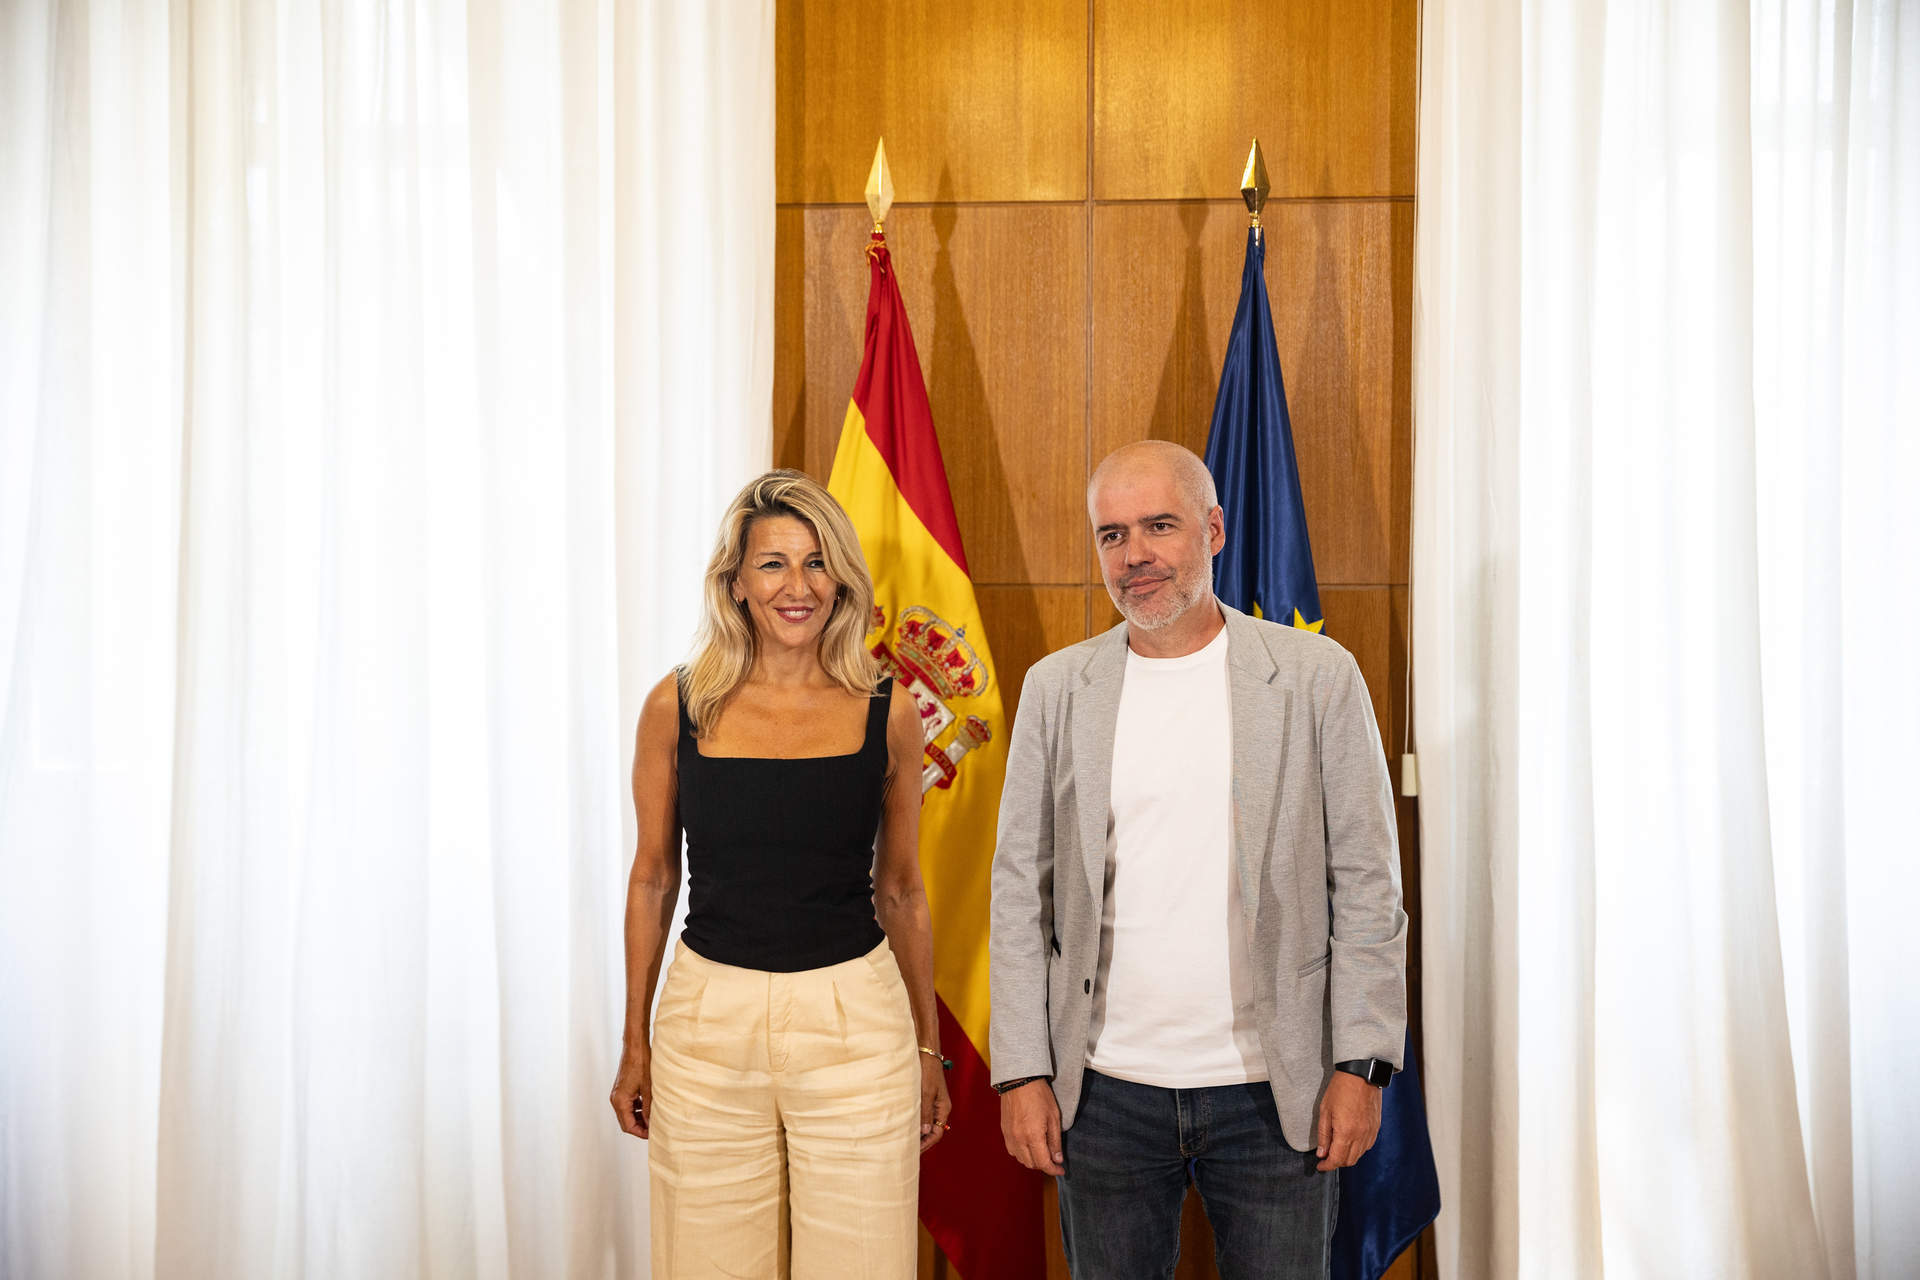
(1183, 595)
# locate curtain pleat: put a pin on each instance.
(1662, 562)
(374, 376)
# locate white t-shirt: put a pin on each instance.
(1173, 1000)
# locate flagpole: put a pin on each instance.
(1254, 188)
(982, 1208)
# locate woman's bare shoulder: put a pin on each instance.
(903, 724)
(660, 713)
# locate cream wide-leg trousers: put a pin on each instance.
(785, 1122)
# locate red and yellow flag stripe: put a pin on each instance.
(981, 1207)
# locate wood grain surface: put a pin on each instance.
(1360, 620)
(1025, 625)
(985, 100)
(1181, 90)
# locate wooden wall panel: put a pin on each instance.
(1069, 247)
(1005, 366)
(1166, 281)
(1024, 625)
(979, 101)
(1180, 91)
(1361, 620)
(1401, 525)
(798, 407)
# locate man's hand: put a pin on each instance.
(1349, 1121)
(1030, 1124)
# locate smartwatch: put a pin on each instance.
(1375, 1071)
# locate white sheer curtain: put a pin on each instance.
(1666, 322)
(371, 377)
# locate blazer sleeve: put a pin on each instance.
(1020, 948)
(1367, 984)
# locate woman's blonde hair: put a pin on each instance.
(724, 651)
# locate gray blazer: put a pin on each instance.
(1314, 837)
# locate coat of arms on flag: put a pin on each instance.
(931, 658)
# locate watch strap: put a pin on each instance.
(1375, 1071)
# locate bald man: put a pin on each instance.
(1198, 954)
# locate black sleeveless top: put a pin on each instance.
(780, 852)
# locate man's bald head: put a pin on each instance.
(1190, 477)
(1156, 526)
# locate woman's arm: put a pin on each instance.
(900, 902)
(653, 887)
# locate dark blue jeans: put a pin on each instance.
(1130, 1154)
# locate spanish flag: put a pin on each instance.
(980, 1206)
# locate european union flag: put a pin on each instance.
(1266, 568)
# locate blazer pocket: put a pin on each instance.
(1315, 966)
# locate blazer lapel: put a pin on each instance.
(1260, 711)
(1096, 709)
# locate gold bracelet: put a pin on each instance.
(946, 1064)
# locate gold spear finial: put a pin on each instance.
(1254, 185)
(879, 186)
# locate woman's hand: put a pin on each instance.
(935, 1105)
(632, 1095)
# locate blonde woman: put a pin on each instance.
(793, 1076)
